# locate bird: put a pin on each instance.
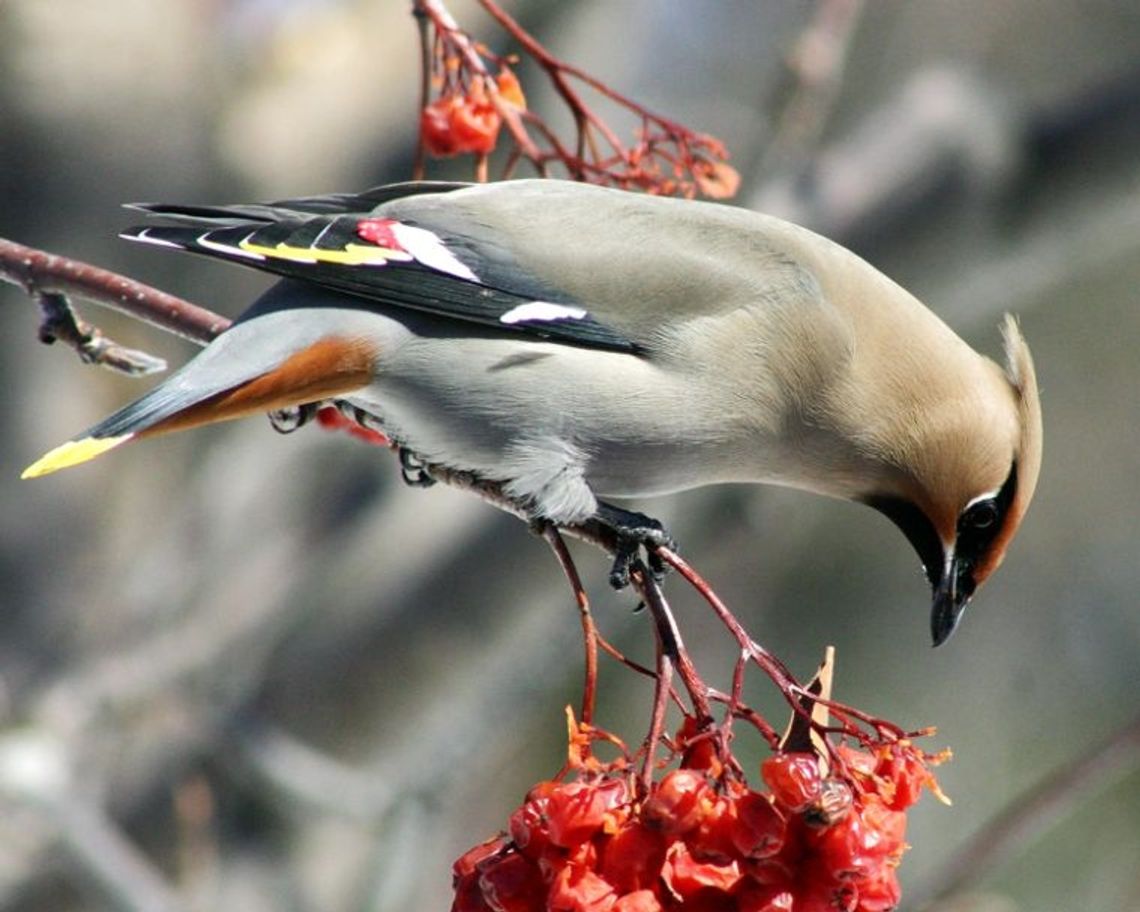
(575, 344)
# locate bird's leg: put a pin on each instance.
(632, 532)
(413, 470)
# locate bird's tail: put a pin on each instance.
(219, 385)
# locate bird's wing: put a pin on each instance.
(348, 244)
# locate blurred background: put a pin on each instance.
(246, 671)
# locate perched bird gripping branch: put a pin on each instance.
(572, 343)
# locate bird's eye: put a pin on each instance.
(980, 516)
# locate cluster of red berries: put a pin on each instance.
(459, 122)
(704, 842)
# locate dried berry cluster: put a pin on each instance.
(465, 120)
(473, 93)
(704, 841)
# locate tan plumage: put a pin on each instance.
(573, 342)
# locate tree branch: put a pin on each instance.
(37, 272)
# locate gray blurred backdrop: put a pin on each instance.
(246, 671)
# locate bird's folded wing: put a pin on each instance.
(339, 242)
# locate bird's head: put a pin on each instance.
(967, 488)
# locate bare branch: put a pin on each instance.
(37, 271)
(60, 323)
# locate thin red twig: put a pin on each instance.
(589, 629)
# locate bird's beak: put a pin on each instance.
(951, 595)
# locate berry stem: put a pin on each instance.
(589, 628)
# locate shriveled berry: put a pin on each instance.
(512, 884)
(794, 779)
(631, 859)
(712, 838)
(881, 893)
(758, 828)
(852, 849)
(469, 895)
(577, 889)
(685, 876)
(752, 897)
(469, 861)
(678, 802)
(576, 811)
(510, 90)
(638, 901)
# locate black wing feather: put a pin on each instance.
(396, 283)
(330, 204)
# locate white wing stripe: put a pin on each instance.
(204, 241)
(541, 311)
(428, 249)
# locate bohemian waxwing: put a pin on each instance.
(572, 342)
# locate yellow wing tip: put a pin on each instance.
(72, 453)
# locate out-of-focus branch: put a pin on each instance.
(1026, 818)
(35, 772)
(806, 96)
(941, 125)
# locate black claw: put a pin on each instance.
(287, 420)
(627, 553)
(414, 472)
(634, 531)
(361, 417)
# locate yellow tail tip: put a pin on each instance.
(72, 453)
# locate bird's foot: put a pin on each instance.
(634, 532)
(413, 470)
(287, 420)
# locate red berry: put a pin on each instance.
(510, 90)
(755, 898)
(881, 893)
(512, 884)
(677, 803)
(577, 889)
(759, 829)
(638, 901)
(631, 859)
(794, 779)
(459, 123)
(904, 773)
(817, 891)
(685, 876)
(435, 127)
(528, 828)
(469, 895)
(475, 126)
(713, 836)
(852, 849)
(698, 753)
(577, 810)
(469, 862)
(889, 824)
